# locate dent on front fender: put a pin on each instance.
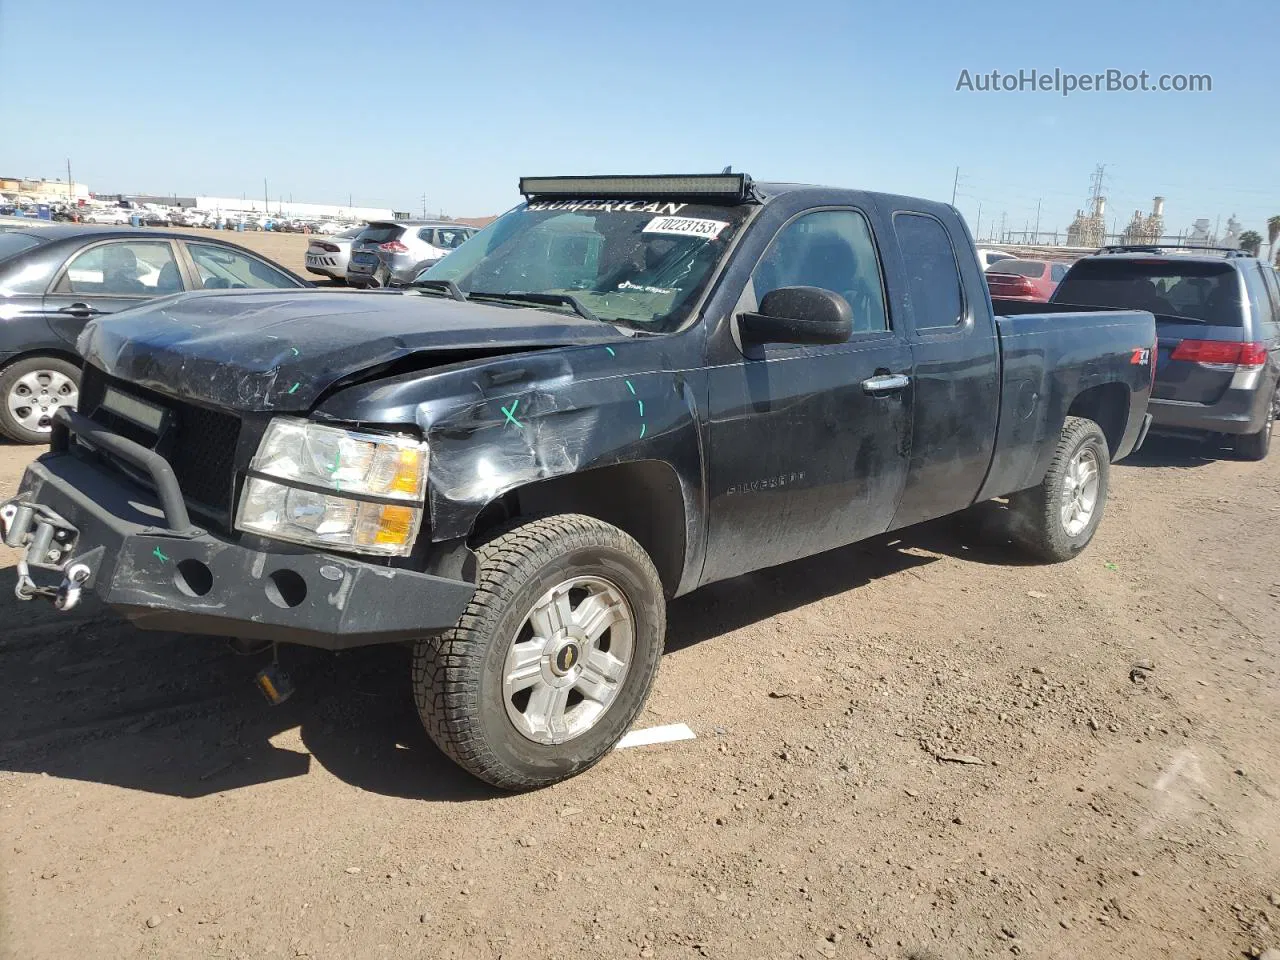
(541, 431)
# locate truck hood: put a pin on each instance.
(280, 350)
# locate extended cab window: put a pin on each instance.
(831, 249)
(931, 271)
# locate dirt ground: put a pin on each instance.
(152, 805)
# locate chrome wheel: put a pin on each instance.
(1080, 491)
(566, 665)
(36, 397)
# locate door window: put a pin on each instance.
(222, 268)
(834, 250)
(932, 272)
(1059, 271)
(124, 268)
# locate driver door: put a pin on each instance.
(809, 444)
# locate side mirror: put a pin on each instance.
(798, 315)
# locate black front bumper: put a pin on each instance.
(71, 514)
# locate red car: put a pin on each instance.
(1025, 279)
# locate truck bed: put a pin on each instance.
(1051, 352)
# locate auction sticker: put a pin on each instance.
(686, 226)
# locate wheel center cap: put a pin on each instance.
(566, 658)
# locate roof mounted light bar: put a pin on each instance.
(702, 186)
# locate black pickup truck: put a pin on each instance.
(621, 390)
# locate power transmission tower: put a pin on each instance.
(424, 206)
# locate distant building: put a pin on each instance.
(43, 191)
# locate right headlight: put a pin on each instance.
(334, 488)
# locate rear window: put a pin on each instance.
(1205, 291)
(381, 232)
(1021, 268)
(12, 244)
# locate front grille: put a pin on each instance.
(200, 444)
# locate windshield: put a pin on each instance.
(638, 263)
(1204, 291)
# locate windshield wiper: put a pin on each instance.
(550, 299)
(1179, 318)
(444, 286)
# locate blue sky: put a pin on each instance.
(387, 101)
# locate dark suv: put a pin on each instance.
(1218, 318)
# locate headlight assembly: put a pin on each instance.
(334, 488)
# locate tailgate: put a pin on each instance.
(1187, 380)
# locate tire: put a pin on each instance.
(1039, 515)
(1256, 446)
(24, 379)
(460, 678)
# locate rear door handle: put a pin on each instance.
(886, 383)
(80, 310)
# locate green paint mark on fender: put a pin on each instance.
(159, 555)
(642, 429)
(294, 388)
(611, 353)
(630, 387)
(511, 414)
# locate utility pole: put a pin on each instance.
(1036, 238)
(71, 196)
(955, 183)
(977, 227)
(1002, 214)
(424, 206)
(266, 201)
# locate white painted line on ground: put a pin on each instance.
(664, 734)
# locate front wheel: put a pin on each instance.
(554, 657)
(1057, 519)
(31, 392)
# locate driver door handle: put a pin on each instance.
(81, 310)
(886, 383)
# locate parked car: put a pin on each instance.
(1025, 279)
(107, 215)
(1218, 316)
(989, 255)
(328, 256)
(623, 392)
(55, 278)
(393, 252)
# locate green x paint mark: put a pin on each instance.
(159, 555)
(511, 414)
(294, 388)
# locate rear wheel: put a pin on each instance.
(1256, 446)
(1057, 519)
(552, 660)
(32, 390)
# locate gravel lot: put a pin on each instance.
(917, 747)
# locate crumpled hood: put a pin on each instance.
(280, 349)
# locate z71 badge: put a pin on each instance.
(1141, 356)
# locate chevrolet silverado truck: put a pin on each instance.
(623, 389)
